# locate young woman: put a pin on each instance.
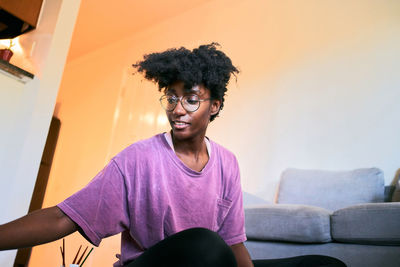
(175, 197)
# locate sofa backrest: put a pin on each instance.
(331, 190)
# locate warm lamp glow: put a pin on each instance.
(20, 55)
(15, 47)
(5, 43)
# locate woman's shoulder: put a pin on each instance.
(141, 149)
(223, 154)
(221, 149)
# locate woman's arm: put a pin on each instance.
(38, 227)
(242, 255)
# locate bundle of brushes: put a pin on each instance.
(77, 262)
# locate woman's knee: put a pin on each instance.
(200, 235)
(199, 240)
(195, 247)
(205, 245)
(321, 260)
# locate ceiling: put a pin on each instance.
(102, 22)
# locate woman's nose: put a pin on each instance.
(179, 108)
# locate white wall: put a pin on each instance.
(26, 110)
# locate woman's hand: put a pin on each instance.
(242, 255)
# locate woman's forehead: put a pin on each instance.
(178, 88)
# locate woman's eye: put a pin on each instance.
(192, 100)
(171, 99)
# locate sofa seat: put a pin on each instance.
(288, 222)
(371, 223)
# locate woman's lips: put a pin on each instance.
(180, 124)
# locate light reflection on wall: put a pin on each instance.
(162, 120)
(148, 118)
(151, 119)
(137, 114)
(116, 114)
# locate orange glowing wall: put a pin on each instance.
(318, 89)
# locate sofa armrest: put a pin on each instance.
(288, 222)
(372, 223)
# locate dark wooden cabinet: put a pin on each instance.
(18, 17)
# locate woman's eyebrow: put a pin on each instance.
(170, 90)
(194, 89)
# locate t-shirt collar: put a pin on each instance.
(168, 137)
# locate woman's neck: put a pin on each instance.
(193, 153)
(190, 147)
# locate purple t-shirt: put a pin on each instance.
(148, 194)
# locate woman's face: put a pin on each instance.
(190, 125)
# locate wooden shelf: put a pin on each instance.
(15, 72)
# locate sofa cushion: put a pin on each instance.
(292, 223)
(373, 223)
(331, 190)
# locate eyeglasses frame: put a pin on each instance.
(180, 100)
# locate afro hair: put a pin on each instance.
(204, 65)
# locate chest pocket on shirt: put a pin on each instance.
(222, 209)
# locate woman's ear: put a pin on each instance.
(215, 106)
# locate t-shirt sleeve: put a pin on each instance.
(232, 229)
(100, 209)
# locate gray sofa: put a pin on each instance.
(342, 214)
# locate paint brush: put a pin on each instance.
(76, 256)
(63, 252)
(90, 251)
(62, 256)
(82, 255)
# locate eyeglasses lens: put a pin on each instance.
(190, 102)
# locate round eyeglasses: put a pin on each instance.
(190, 103)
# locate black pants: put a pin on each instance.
(199, 247)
